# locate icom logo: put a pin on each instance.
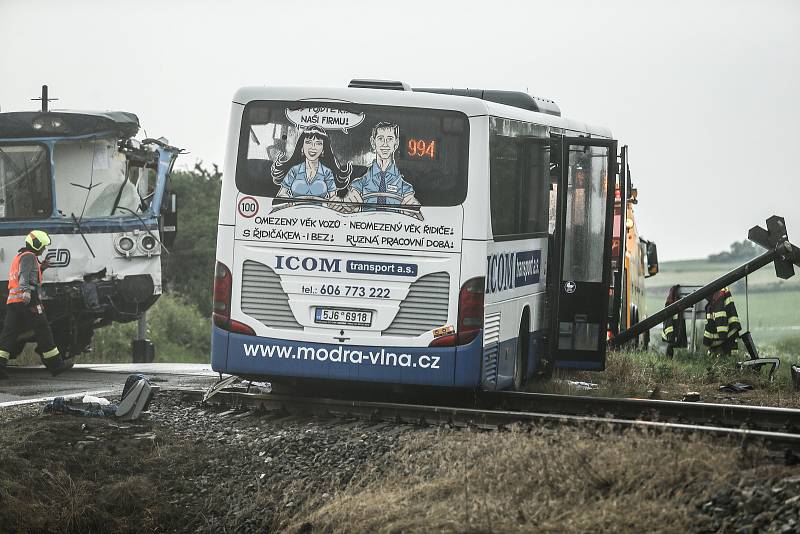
(58, 257)
(294, 263)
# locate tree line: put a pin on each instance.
(188, 267)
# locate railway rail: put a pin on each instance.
(774, 426)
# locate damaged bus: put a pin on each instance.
(103, 197)
(383, 234)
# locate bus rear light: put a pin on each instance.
(223, 287)
(241, 328)
(223, 283)
(444, 341)
(470, 310)
(470, 315)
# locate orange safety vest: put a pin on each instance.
(14, 291)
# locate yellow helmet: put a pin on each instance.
(37, 240)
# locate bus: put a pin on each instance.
(381, 234)
(103, 196)
(633, 259)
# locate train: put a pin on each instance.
(104, 197)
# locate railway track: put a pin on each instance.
(774, 426)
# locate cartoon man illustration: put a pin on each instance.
(383, 185)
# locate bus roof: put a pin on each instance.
(471, 106)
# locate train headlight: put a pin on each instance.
(124, 245)
(148, 243)
(48, 123)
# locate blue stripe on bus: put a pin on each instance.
(239, 354)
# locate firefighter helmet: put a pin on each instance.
(37, 240)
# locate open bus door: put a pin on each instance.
(581, 259)
(619, 242)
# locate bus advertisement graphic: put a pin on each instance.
(338, 176)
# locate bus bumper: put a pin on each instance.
(244, 355)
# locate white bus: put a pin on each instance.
(437, 237)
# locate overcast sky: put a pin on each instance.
(704, 93)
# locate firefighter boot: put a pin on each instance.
(54, 364)
(3, 363)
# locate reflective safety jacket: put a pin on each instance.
(674, 330)
(722, 321)
(25, 275)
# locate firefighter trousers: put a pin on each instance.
(23, 318)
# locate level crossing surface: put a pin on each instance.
(33, 384)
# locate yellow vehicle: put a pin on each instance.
(632, 260)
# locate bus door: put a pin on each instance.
(586, 173)
(619, 242)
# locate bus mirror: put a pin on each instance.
(652, 259)
(169, 220)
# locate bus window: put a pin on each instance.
(282, 140)
(519, 179)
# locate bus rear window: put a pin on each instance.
(350, 155)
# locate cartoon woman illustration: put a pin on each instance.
(312, 170)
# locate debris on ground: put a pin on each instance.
(581, 386)
(736, 387)
(691, 396)
(137, 395)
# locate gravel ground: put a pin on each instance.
(186, 469)
(769, 506)
(259, 468)
(189, 468)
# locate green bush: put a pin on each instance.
(178, 330)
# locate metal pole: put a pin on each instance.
(702, 293)
(142, 333)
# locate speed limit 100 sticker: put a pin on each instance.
(248, 207)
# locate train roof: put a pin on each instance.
(66, 123)
(467, 101)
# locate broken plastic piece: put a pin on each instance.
(220, 385)
(757, 363)
(736, 387)
(136, 397)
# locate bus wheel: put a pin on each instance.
(521, 360)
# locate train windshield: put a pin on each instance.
(355, 155)
(94, 179)
(25, 184)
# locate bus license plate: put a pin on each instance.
(343, 316)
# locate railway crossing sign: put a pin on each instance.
(773, 237)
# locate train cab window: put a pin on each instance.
(25, 184)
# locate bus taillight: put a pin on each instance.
(470, 310)
(223, 284)
(470, 315)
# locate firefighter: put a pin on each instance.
(24, 311)
(722, 324)
(674, 332)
